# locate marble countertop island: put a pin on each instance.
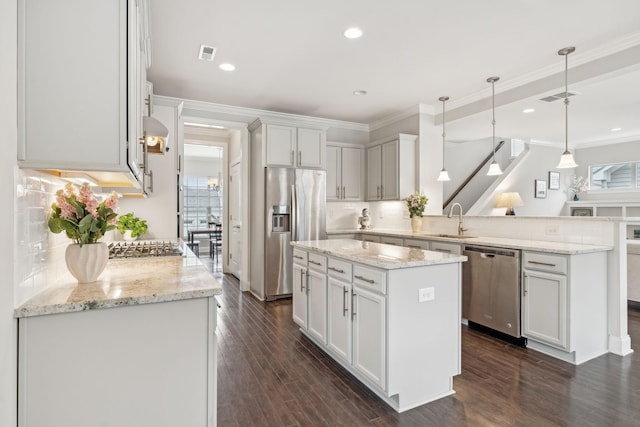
(388, 257)
(127, 282)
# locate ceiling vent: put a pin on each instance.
(557, 96)
(206, 53)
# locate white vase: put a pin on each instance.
(127, 236)
(86, 262)
(416, 224)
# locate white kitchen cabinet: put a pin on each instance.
(344, 173)
(564, 304)
(289, 146)
(317, 304)
(544, 307)
(140, 365)
(371, 238)
(339, 331)
(310, 293)
(369, 334)
(388, 240)
(391, 169)
(81, 68)
(446, 247)
(299, 293)
(416, 244)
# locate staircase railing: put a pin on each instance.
(471, 176)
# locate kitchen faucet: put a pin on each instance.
(461, 228)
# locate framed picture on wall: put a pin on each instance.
(540, 189)
(554, 180)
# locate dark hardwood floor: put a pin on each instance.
(269, 375)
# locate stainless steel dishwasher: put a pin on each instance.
(491, 288)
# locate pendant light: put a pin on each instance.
(494, 168)
(444, 175)
(566, 161)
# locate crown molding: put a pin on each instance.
(251, 114)
(411, 111)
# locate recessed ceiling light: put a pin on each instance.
(616, 129)
(528, 110)
(353, 33)
(227, 67)
(359, 92)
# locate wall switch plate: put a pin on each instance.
(552, 230)
(426, 294)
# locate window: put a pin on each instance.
(202, 202)
(614, 176)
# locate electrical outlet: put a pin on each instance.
(552, 230)
(426, 294)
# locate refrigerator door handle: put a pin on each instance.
(294, 214)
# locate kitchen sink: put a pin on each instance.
(451, 236)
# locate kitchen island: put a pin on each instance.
(389, 315)
(137, 347)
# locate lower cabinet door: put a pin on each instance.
(339, 318)
(544, 308)
(299, 292)
(317, 305)
(369, 335)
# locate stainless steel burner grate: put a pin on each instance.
(144, 249)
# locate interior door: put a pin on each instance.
(235, 220)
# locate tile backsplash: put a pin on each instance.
(39, 254)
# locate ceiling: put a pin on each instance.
(291, 56)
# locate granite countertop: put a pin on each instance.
(127, 282)
(502, 242)
(379, 255)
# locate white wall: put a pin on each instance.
(8, 141)
(430, 163)
(535, 164)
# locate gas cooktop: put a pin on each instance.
(144, 249)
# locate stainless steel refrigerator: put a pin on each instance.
(295, 210)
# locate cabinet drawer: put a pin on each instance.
(449, 248)
(317, 262)
(417, 244)
(391, 240)
(370, 278)
(299, 257)
(340, 269)
(544, 262)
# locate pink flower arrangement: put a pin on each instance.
(416, 204)
(81, 216)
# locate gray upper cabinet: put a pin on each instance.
(345, 176)
(391, 169)
(81, 65)
(290, 146)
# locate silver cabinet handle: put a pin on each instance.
(414, 246)
(365, 279)
(447, 251)
(353, 299)
(338, 192)
(344, 301)
(298, 257)
(291, 157)
(548, 264)
(301, 280)
(382, 192)
(524, 288)
(337, 270)
(315, 262)
(343, 193)
(299, 158)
